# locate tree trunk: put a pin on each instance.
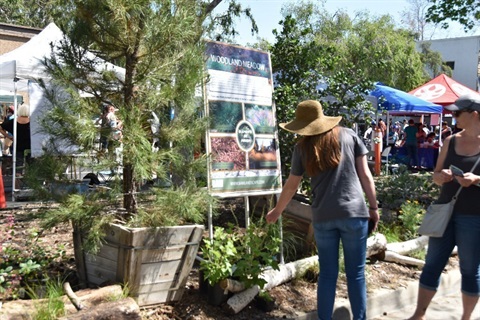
(129, 200)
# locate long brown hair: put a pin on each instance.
(321, 152)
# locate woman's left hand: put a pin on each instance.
(468, 179)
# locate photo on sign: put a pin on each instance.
(261, 117)
(263, 155)
(226, 155)
(224, 116)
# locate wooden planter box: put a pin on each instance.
(154, 263)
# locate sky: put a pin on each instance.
(267, 15)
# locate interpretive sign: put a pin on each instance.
(242, 138)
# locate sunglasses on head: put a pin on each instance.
(459, 112)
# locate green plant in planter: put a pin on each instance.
(241, 254)
(260, 246)
(219, 255)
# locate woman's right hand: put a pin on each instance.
(273, 215)
(443, 176)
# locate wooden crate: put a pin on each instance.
(298, 218)
(154, 263)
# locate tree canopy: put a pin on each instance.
(466, 12)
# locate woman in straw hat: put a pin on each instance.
(335, 160)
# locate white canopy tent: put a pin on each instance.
(22, 68)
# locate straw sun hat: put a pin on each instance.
(310, 120)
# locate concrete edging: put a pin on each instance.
(387, 301)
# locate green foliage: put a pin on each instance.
(241, 255)
(175, 206)
(433, 60)
(411, 217)
(27, 13)
(466, 12)
(52, 305)
(261, 245)
(394, 190)
(219, 255)
(23, 268)
(159, 44)
(390, 230)
(336, 59)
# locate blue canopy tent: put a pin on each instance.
(396, 103)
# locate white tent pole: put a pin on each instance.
(14, 154)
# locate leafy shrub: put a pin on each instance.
(410, 216)
(20, 268)
(394, 190)
(242, 254)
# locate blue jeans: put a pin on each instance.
(464, 232)
(353, 233)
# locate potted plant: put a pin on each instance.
(149, 214)
(240, 255)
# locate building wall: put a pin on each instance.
(12, 36)
(464, 52)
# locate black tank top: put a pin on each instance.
(468, 200)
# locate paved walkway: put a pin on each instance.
(400, 304)
(448, 307)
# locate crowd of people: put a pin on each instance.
(331, 155)
(411, 136)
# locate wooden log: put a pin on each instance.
(273, 278)
(239, 301)
(408, 246)
(72, 296)
(376, 244)
(287, 272)
(126, 309)
(398, 258)
(22, 309)
(231, 285)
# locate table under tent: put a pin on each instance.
(397, 103)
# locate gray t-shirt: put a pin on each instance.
(337, 193)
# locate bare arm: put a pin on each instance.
(5, 134)
(368, 186)
(440, 175)
(288, 191)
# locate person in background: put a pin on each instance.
(431, 142)
(110, 128)
(6, 141)
(334, 158)
(446, 130)
(104, 130)
(10, 113)
(23, 133)
(462, 150)
(421, 134)
(411, 144)
(383, 129)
